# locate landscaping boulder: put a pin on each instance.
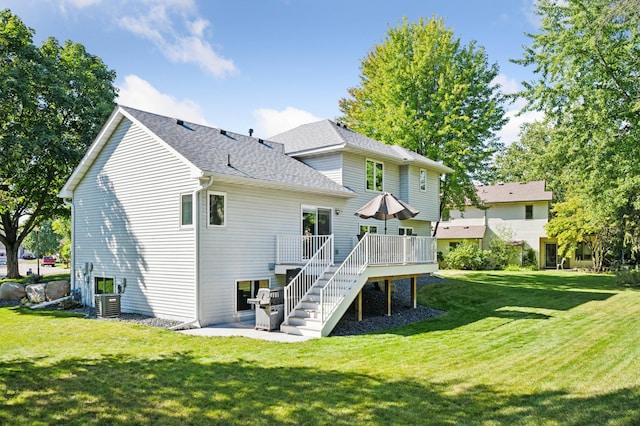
(57, 289)
(12, 291)
(36, 293)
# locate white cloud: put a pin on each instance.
(511, 131)
(138, 93)
(79, 4)
(178, 37)
(173, 26)
(528, 9)
(507, 85)
(271, 122)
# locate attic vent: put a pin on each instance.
(223, 132)
(179, 122)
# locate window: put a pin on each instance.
(368, 228)
(186, 210)
(405, 231)
(103, 285)
(375, 172)
(583, 252)
(423, 180)
(217, 208)
(246, 290)
(528, 211)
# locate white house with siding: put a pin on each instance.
(186, 222)
(515, 211)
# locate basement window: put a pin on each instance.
(104, 285)
(248, 289)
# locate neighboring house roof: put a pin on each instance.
(218, 153)
(513, 192)
(326, 136)
(461, 232)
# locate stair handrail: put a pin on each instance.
(332, 293)
(309, 273)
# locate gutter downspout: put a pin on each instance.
(196, 228)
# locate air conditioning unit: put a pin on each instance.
(107, 305)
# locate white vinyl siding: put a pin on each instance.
(329, 165)
(246, 246)
(127, 224)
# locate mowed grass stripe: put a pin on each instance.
(512, 348)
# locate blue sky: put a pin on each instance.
(269, 65)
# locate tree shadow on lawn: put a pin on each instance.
(547, 280)
(474, 297)
(180, 389)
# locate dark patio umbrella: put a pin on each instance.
(386, 206)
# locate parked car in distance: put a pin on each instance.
(3, 260)
(48, 260)
(28, 256)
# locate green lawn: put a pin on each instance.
(513, 348)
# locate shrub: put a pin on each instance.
(466, 256)
(628, 278)
(513, 268)
(34, 278)
(529, 258)
(501, 253)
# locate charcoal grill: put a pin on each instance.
(269, 303)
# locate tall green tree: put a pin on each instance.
(43, 240)
(53, 99)
(537, 155)
(577, 221)
(423, 89)
(586, 59)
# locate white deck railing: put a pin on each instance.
(374, 249)
(400, 250)
(316, 265)
(298, 249)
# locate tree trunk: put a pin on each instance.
(442, 201)
(12, 260)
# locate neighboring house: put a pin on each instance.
(188, 221)
(516, 212)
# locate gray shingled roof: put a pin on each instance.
(326, 134)
(513, 192)
(460, 232)
(235, 155)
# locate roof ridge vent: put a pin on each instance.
(179, 122)
(223, 132)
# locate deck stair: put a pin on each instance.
(318, 310)
(320, 294)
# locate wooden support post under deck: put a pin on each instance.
(387, 290)
(359, 306)
(414, 292)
